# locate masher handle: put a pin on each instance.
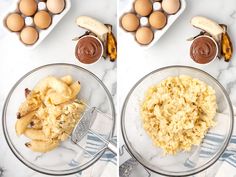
(112, 147)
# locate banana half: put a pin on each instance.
(93, 25)
(208, 25)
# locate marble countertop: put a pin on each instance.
(173, 49)
(58, 47)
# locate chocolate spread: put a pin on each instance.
(88, 49)
(203, 50)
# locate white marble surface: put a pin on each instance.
(173, 49)
(57, 47)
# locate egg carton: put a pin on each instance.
(29, 22)
(130, 36)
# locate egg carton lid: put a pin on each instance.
(42, 33)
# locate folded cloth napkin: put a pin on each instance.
(226, 165)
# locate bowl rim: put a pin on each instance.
(199, 169)
(29, 164)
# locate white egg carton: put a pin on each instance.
(130, 36)
(29, 22)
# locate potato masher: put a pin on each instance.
(83, 127)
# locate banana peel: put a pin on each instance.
(226, 45)
(111, 45)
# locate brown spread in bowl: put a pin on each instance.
(89, 49)
(203, 49)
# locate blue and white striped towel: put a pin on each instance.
(106, 166)
(226, 165)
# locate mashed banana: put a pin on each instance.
(178, 112)
(59, 121)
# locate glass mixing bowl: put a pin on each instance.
(68, 158)
(139, 143)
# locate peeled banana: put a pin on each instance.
(208, 25)
(94, 26)
(42, 146)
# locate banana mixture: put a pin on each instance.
(178, 112)
(49, 113)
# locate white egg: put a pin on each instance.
(55, 6)
(171, 6)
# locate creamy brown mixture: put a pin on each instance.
(88, 50)
(203, 50)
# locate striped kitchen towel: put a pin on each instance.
(106, 165)
(226, 165)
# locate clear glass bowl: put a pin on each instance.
(67, 158)
(140, 145)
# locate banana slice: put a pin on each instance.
(35, 134)
(93, 25)
(42, 146)
(23, 122)
(208, 25)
